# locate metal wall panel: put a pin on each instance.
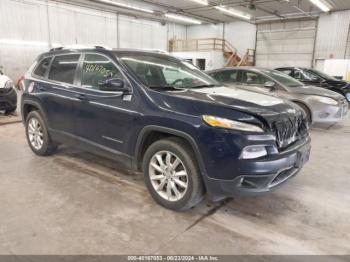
(240, 34)
(285, 44)
(30, 27)
(135, 33)
(332, 35)
(22, 35)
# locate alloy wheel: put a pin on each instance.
(168, 175)
(35, 133)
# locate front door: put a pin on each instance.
(103, 119)
(253, 81)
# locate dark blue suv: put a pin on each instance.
(153, 112)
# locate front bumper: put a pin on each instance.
(8, 100)
(263, 175)
(329, 113)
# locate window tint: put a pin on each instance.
(252, 78)
(286, 71)
(164, 72)
(98, 68)
(284, 79)
(227, 76)
(63, 68)
(42, 67)
(306, 75)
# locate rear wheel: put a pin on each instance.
(171, 174)
(37, 135)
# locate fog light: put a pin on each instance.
(323, 115)
(251, 152)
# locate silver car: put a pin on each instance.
(320, 105)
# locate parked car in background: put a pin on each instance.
(317, 78)
(8, 95)
(320, 105)
(153, 112)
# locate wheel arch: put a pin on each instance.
(31, 105)
(145, 139)
(304, 106)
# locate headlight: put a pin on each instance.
(231, 124)
(325, 100)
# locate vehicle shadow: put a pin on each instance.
(267, 206)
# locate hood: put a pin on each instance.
(313, 90)
(3, 80)
(337, 83)
(267, 107)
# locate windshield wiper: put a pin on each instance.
(165, 88)
(203, 86)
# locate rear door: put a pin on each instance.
(56, 91)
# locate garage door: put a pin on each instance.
(286, 44)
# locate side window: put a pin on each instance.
(286, 71)
(228, 76)
(42, 68)
(63, 68)
(252, 78)
(298, 75)
(171, 75)
(306, 76)
(97, 68)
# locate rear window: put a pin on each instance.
(42, 68)
(63, 68)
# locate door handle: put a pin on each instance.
(81, 97)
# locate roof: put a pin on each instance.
(79, 48)
(237, 68)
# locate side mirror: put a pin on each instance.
(271, 85)
(113, 85)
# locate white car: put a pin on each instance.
(8, 95)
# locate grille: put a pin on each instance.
(289, 130)
(283, 176)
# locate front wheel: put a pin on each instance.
(37, 135)
(172, 175)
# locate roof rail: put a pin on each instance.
(56, 48)
(102, 47)
(79, 47)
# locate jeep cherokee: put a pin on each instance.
(155, 113)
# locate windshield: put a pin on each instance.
(321, 74)
(166, 72)
(282, 78)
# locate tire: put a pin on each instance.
(307, 112)
(179, 150)
(38, 132)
